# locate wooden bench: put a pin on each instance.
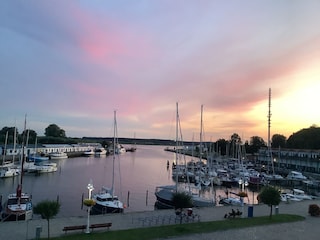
(100, 225)
(71, 228)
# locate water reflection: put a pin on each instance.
(135, 183)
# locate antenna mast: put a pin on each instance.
(269, 126)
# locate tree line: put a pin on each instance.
(307, 138)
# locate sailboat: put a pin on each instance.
(205, 174)
(19, 204)
(105, 200)
(37, 157)
(133, 148)
(206, 179)
(164, 194)
(8, 170)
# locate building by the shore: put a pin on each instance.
(14, 152)
(291, 159)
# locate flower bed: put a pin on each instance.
(89, 202)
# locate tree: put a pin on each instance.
(256, 143)
(278, 140)
(54, 130)
(180, 201)
(270, 196)
(308, 138)
(221, 146)
(11, 132)
(47, 209)
(31, 134)
(235, 140)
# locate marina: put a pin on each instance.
(141, 172)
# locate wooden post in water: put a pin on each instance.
(82, 201)
(147, 198)
(128, 197)
(58, 198)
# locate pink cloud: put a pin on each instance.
(110, 42)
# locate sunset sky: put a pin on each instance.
(72, 63)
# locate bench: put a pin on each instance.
(100, 225)
(71, 228)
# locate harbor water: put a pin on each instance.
(137, 174)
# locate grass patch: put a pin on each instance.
(183, 229)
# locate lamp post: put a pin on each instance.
(90, 189)
(242, 185)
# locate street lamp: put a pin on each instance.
(90, 189)
(242, 185)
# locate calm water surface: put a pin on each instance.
(140, 172)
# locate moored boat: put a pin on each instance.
(58, 155)
(295, 175)
(106, 202)
(45, 167)
(230, 201)
(100, 151)
(89, 152)
(37, 157)
(164, 194)
(298, 193)
(18, 205)
(9, 171)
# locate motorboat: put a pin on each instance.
(58, 155)
(106, 202)
(295, 175)
(231, 201)
(89, 152)
(100, 151)
(164, 196)
(120, 149)
(287, 197)
(117, 149)
(301, 194)
(45, 167)
(9, 171)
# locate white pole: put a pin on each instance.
(90, 189)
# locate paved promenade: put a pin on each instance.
(308, 229)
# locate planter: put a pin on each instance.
(89, 202)
(242, 194)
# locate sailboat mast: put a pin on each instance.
(23, 146)
(269, 126)
(201, 128)
(177, 136)
(14, 142)
(5, 149)
(114, 149)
